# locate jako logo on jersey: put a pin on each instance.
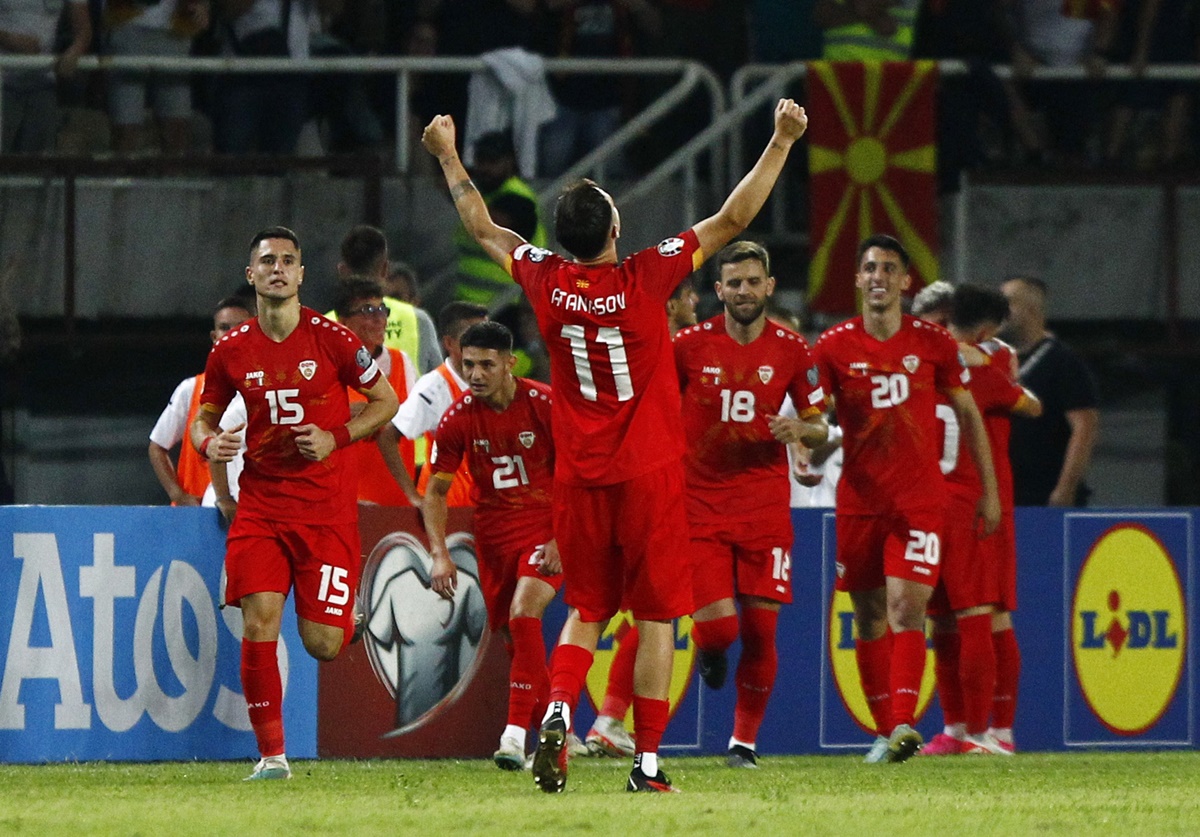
(1128, 629)
(911, 362)
(858, 370)
(606, 651)
(765, 373)
(308, 368)
(845, 665)
(254, 378)
(670, 247)
(526, 438)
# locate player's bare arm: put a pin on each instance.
(388, 440)
(748, 197)
(987, 511)
(811, 432)
(445, 573)
(497, 241)
(1028, 405)
(210, 441)
(550, 562)
(1085, 425)
(316, 444)
(168, 477)
(226, 505)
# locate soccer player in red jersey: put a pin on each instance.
(618, 497)
(735, 371)
(884, 369)
(968, 595)
(501, 429)
(292, 367)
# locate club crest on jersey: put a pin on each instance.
(765, 374)
(670, 247)
(911, 362)
(308, 368)
(526, 438)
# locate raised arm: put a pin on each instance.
(748, 197)
(496, 241)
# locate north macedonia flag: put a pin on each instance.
(872, 162)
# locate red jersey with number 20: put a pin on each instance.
(301, 380)
(729, 393)
(886, 394)
(510, 456)
(616, 396)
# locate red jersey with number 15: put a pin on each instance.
(510, 456)
(886, 395)
(729, 393)
(616, 396)
(301, 380)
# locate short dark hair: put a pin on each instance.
(274, 232)
(488, 335)
(353, 288)
(975, 305)
(883, 242)
(453, 315)
(744, 251)
(688, 284)
(495, 145)
(363, 248)
(582, 219)
(234, 302)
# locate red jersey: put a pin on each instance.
(510, 456)
(301, 380)
(733, 464)
(616, 396)
(886, 392)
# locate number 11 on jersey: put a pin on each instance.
(617, 360)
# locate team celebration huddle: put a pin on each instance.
(652, 475)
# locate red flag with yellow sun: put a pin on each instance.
(872, 163)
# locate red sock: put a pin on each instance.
(874, 671)
(755, 672)
(620, 675)
(569, 666)
(527, 676)
(908, 666)
(649, 722)
(945, 649)
(1008, 673)
(977, 670)
(715, 634)
(264, 695)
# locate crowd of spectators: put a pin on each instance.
(986, 119)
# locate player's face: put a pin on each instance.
(681, 310)
(275, 270)
(367, 318)
(486, 371)
(882, 278)
(226, 320)
(744, 287)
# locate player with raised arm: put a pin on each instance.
(735, 370)
(883, 369)
(296, 524)
(618, 498)
(501, 429)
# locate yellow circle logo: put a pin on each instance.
(845, 665)
(1128, 629)
(615, 632)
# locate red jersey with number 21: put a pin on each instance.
(616, 396)
(886, 394)
(301, 380)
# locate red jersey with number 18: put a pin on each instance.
(886, 397)
(510, 456)
(729, 393)
(301, 380)
(616, 396)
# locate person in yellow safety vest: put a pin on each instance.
(512, 204)
(409, 329)
(867, 30)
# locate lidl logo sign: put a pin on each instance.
(615, 635)
(1128, 629)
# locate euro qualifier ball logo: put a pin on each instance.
(844, 665)
(1128, 629)
(617, 632)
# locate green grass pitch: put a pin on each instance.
(1132, 793)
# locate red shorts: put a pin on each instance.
(501, 566)
(968, 577)
(903, 544)
(322, 561)
(747, 558)
(625, 546)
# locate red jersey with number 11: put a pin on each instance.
(616, 396)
